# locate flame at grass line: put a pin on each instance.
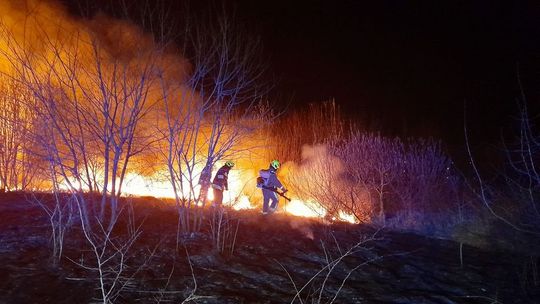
(160, 187)
(316, 210)
(139, 185)
(28, 24)
(142, 186)
(235, 198)
(347, 217)
(305, 209)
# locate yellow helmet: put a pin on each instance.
(229, 164)
(275, 164)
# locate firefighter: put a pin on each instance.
(269, 185)
(220, 183)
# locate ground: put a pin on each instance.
(270, 252)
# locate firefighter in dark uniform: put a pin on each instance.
(270, 184)
(220, 183)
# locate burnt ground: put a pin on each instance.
(388, 267)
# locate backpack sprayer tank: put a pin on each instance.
(264, 175)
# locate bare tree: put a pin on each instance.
(323, 177)
(520, 179)
(61, 217)
(224, 228)
(18, 167)
(523, 157)
(89, 104)
(318, 288)
(371, 161)
(210, 112)
(425, 180)
(317, 124)
(113, 263)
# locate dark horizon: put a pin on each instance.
(404, 69)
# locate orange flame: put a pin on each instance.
(114, 34)
(234, 198)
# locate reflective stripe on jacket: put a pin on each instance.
(220, 181)
(273, 181)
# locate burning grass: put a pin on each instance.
(145, 121)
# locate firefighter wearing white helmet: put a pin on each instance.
(220, 183)
(269, 183)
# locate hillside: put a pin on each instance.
(269, 252)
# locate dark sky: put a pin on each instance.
(402, 67)
(405, 67)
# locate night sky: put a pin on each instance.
(405, 67)
(401, 67)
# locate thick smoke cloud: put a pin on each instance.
(37, 24)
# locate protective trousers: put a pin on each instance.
(218, 197)
(270, 199)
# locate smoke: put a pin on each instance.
(85, 74)
(74, 56)
(318, 168)
(311, 180)
(323, 181)
(304, 227)
(37, 25)
(32, 25)
(319, 157)
(69, 60)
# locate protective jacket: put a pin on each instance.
(220, 181)
(272, 181)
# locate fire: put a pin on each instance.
(140, 186)
(86, 49)
(235, 198)
(306, 209)
(143, 186)
(347, 217)
(242, 203)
